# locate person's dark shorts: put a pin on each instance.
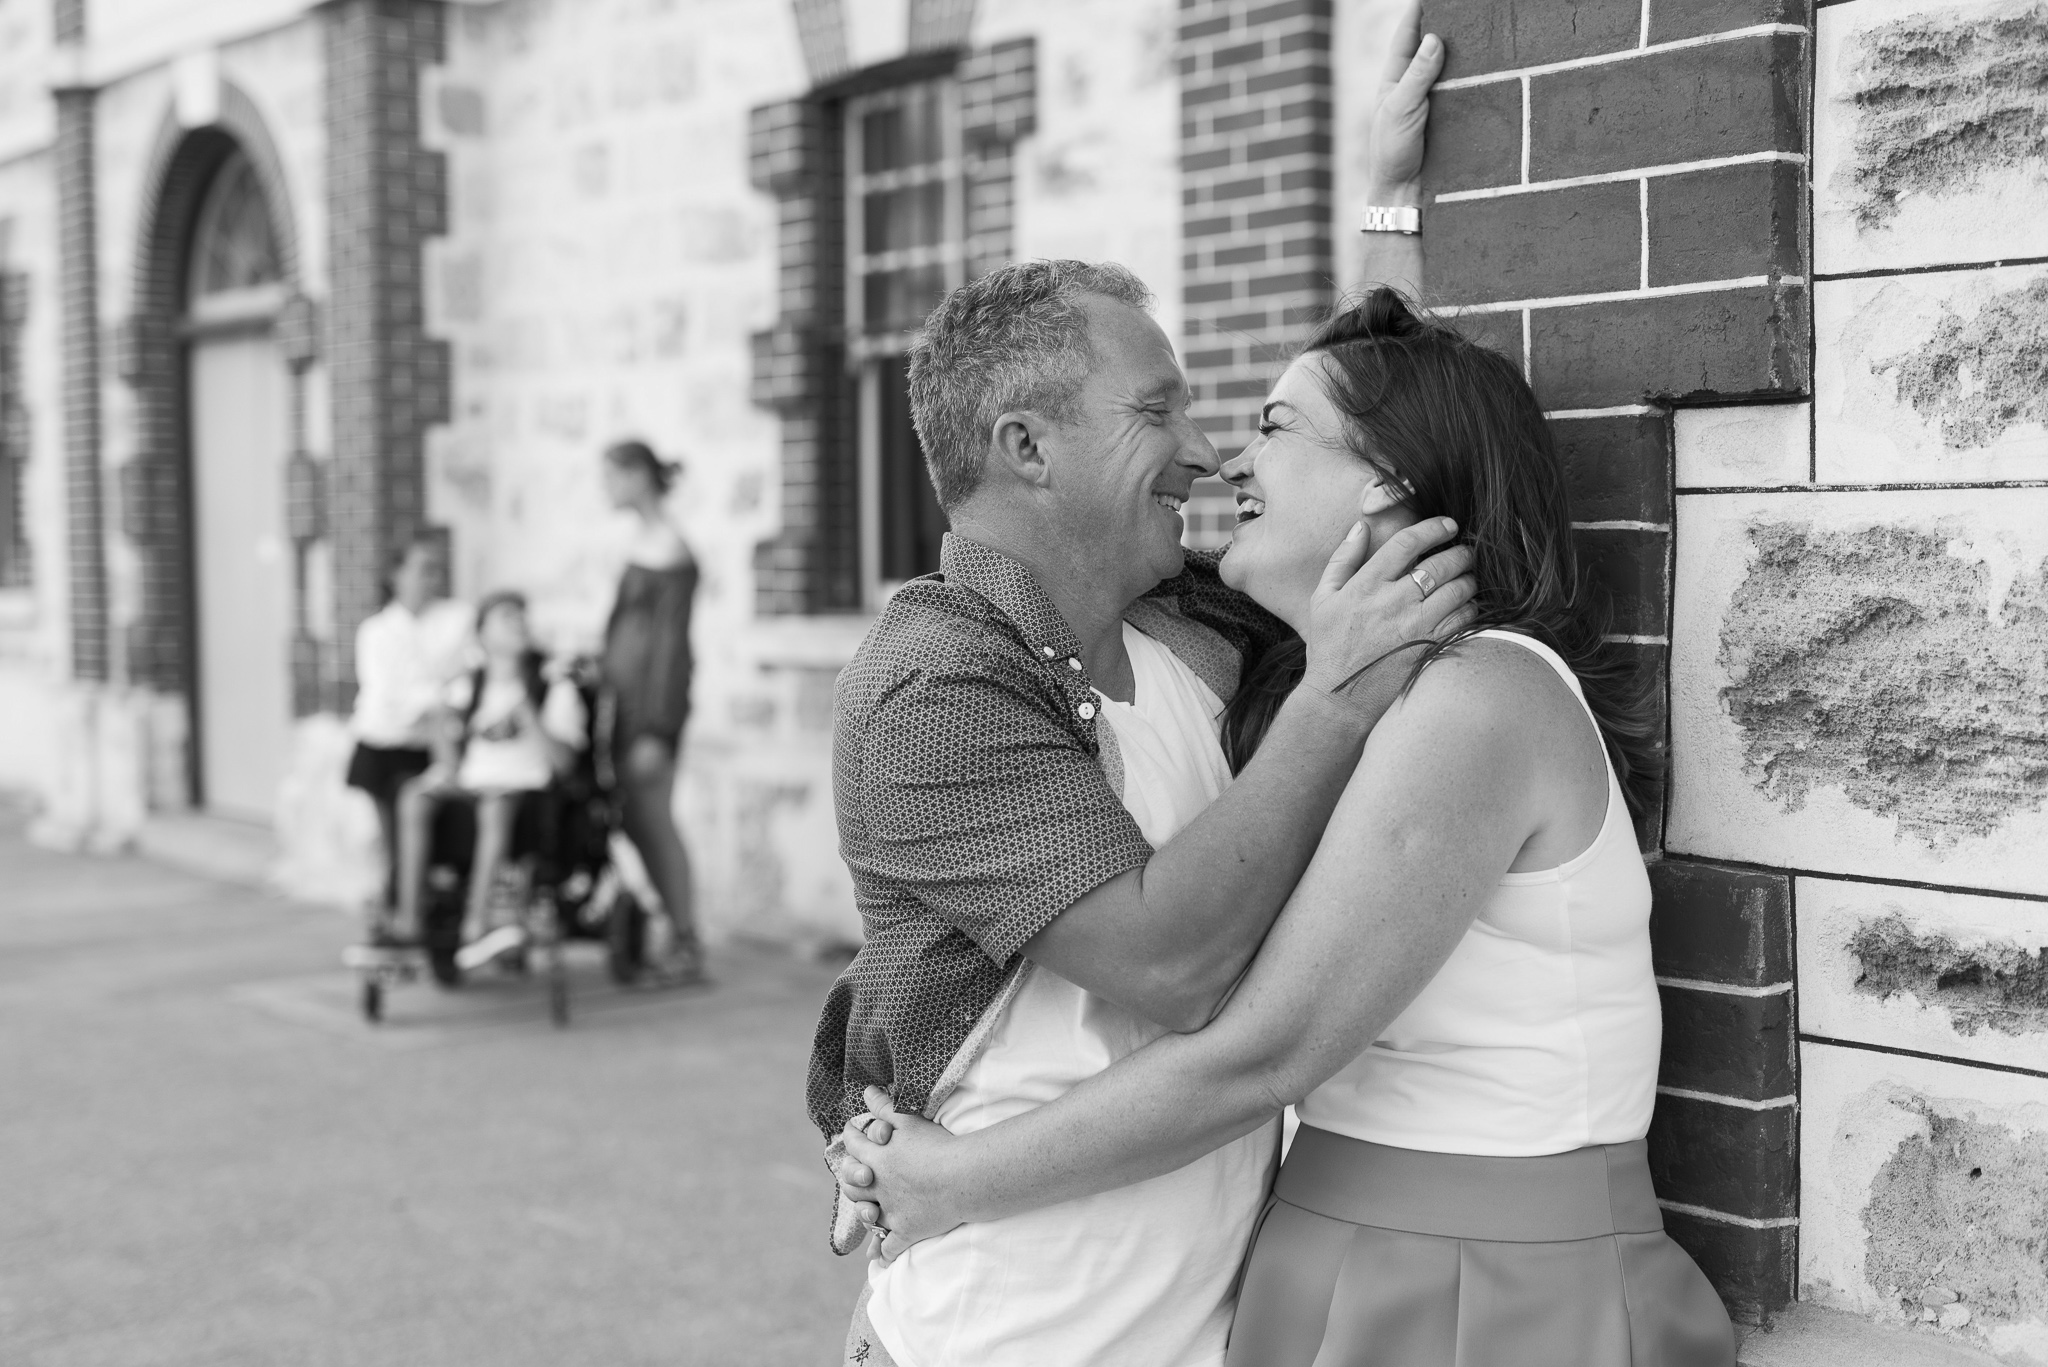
(381, 771)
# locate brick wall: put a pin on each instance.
(17, 560)
(78, 296)
(388, 380)
(1256, 209)
(812, 564)
(1614, 197)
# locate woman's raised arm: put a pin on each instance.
(1443, 799)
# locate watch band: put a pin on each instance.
(1380, 218)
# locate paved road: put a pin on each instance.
(206, 1158)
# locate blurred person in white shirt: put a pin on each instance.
(406, 655)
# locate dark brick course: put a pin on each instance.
(1628, 566)
(1723, 925)
(1619, 468)
(1584, 240)
(1753, 1269)
(1729, 1045)
(1725, 344)
(1691, 104)
(1256, 151)
(1726, 1158)
(389, 381)
(1673, 19)
(1725, 224)
(1486, 35)
(1475, 138)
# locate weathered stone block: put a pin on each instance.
(1939, 972)
(1934, 377)
(1752, 446)
(1924, 1186)
(1930, 133)
(1857, 681)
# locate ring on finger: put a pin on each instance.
(1423, 580)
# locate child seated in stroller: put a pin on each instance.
(507, 734)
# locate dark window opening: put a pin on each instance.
(911, 522)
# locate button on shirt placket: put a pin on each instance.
(1073, 682)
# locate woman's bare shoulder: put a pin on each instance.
(1483, 677)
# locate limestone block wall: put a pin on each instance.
(1860, 670)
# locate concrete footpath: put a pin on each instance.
(207, 1158)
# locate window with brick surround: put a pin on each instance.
(905, 247)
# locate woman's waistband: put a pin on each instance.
(1553, 1198)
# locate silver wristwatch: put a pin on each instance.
(1380, 218)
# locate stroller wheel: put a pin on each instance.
(373, 1000)
(626, 939)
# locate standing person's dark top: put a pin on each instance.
(647, 667)
(647, 662)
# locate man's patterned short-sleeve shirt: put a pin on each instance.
(975, 804)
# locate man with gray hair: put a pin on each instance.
(1052, 860)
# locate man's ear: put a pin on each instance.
(1016, 446)
(1382, 493)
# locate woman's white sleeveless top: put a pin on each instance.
(1541, 1032)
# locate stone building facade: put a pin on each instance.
(328, 274)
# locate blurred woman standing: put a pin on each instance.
(647, 666)
(405, 655)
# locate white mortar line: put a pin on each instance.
(1674, 168)
(1622, 638)
(1625, 54)
(1643, 37)
(1525, 130)
(1723, 1217)
(1621, 524)
(1727, 989)
(1776, 1103)
(1528, 370)
(1643, 200)
(1626, 410)
(1622, 296)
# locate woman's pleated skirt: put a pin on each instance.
(1370, 1256)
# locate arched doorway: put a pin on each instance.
(239, 434)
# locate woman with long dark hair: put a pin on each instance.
(1458, 997)
(647, 668)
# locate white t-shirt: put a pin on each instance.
(1144, 1276)
(403, 662)
(504, 756)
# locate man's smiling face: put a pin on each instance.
(1126, 456)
